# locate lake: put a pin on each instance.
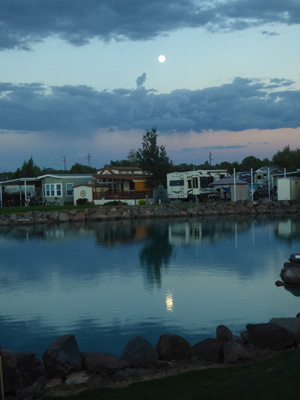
(107, 282)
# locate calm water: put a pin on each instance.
(110, 281)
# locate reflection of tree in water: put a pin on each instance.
(157, 253)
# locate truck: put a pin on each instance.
(190, 185)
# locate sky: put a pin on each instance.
(80, 80)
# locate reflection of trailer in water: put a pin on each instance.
(184, 233)
(188, 185)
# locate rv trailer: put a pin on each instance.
(190, 184)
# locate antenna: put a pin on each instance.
(89, 159)
(65, 162)
(210, 158)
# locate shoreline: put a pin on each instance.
(102, 213)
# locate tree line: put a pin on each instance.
(154, 159)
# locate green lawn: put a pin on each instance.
(277, 378)
(21, 210)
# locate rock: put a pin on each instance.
(291, 274)
(103, 362)
(19, 370)
(140, 353)
(209, 350)
(76, 378)
(80, 216)
(224, 334)
(270, 336)
(234, 352)
(290, 324)
(279, 283)
(63, 217)
(173, 347)
(62, 357)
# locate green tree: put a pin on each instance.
(287, 158)
(28, 170)
(130, 161)
(153, 158)
(250, 162)
(82, 169)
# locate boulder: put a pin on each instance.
(234, 352)
(20, 370)
(209, 350)
(139, 353)
(103, 362)
(290, 274)
(224, 334)
(62, 357)
(269, 336)
(290, 324)
(173, 347)
(63, 217)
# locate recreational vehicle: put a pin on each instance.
(190, 184)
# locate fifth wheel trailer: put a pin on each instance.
(188, 185)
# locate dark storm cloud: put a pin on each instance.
(23, 23)
(242, 104)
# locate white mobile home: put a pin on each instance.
(185, 185)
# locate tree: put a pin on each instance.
(82, 169)
(154, 159)
(287, 158)
(130, 161)
(250, 162)
(28, 170)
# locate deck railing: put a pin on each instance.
(122, 195)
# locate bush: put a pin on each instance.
(80, 202)
(115, 203)
(142, 202)
(161, 195)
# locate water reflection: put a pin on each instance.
(112, 280)
(156, 253)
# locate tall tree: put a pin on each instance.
(287, 158)
(28, 170)
(153, 158)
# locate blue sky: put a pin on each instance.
(83, 77)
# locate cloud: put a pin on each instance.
(239, 105)
(24, 23)
(141, 80)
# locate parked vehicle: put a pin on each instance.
(260, 191)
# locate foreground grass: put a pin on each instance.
(276, 378)
(22, 210)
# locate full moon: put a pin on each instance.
(161, 58)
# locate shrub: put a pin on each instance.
(80, 202)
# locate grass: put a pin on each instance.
(22, 210)
(276, 378)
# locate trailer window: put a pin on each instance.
(179, 182)
(205, 181)
(189, 183)
(195, 182)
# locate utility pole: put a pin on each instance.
(65, 162)
(89, 159)
(210, 158)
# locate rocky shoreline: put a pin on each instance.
(64, 369)
(101, 213)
